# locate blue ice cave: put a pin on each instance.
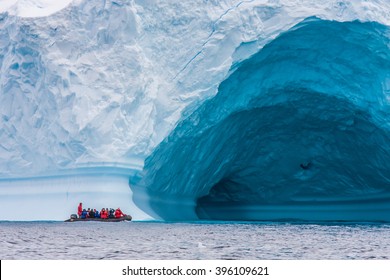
(299, 131)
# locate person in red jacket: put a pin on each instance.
(103, 214)
(80, 209)
(118, 213)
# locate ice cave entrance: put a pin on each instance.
(298, 131)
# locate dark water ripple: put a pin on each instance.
(93, 240)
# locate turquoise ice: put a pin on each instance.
(300, 130)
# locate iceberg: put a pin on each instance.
(246, 110)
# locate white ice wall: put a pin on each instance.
(108, 80)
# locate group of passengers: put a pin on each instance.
(105, 213)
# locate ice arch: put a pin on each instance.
(298, 131)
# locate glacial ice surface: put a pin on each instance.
(236, 108)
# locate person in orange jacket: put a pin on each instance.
(118, 213)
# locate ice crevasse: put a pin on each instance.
(235, 110)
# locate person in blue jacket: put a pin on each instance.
(97, 214)
(84, 214)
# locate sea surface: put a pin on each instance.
(203, 240)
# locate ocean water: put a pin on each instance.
(203, 240)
